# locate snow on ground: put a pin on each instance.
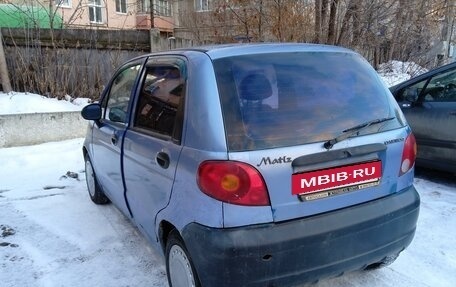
(23, 103)
(62, 239)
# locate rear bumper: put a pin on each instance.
(306, 249)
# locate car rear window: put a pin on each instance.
(284, 99)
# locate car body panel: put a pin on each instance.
(204, 122)
(433, 121)
(188, 203)
(434, 125)
(306, 249)
(109, 170)
(107, 142)
(286, 206)
(148, 185)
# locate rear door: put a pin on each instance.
(109, 132)
(152, 144)
(432, 117)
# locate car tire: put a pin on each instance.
(388, 260)
(95, 192)
(179, 266)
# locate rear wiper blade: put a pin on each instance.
(353, 130)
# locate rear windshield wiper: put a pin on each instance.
(351, 131)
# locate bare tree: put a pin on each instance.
(350, 19)
(332, 22)
(321, 11)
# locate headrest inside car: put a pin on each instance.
(255, 87)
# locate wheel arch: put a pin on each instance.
(164, 230)
(85, 152)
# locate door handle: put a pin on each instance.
(406, 105)
(114, 139)
(163, 159)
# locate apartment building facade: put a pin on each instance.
(119, 14)
(103, 14)
(185, 19)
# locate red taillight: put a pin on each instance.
(408, 154)
(232, 182)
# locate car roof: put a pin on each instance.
(227, 50)
(266, 46)
(237, 49)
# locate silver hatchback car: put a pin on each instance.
(256, 165)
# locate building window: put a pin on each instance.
(163, 8)
(121, 6)
(63, 3)
(95, 13)
(144, 6)
(202, 5)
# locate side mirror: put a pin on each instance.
(411, 98)
(407, 97)
(411, 95)
(91, 112)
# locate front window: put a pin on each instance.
(95, 12)
(285, 99)
(441, 88)
(121, 6)
(119, 95)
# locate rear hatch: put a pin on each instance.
(306, 180)
(320, 127)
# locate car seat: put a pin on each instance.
(253, 89)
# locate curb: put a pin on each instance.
(30, 129)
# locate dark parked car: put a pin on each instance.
(429, 104)
(256, 165)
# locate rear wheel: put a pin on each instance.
(95, 192)
(179, 265)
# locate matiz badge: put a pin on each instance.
(268, 160)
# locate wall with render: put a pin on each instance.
(29, 129)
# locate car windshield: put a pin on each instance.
(284, 99)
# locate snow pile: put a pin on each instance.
(395, 72)
(24, 103)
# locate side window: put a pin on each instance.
(161, 99)
(120, 93)
(441, 87)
